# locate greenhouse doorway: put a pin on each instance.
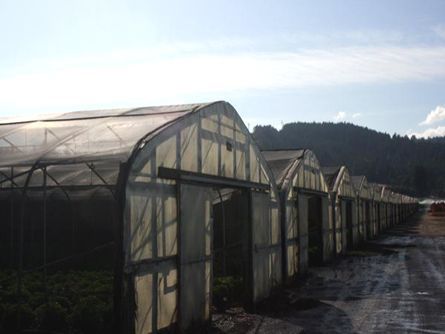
(315, 221)
(202, 207)
(368, 220)
(230, 248)
(349, 227)
(379, 220)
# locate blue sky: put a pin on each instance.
(379, 64)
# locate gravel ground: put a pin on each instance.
(394, 284)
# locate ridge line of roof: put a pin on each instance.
(293, 166)
(126, 113)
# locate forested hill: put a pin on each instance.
(415, 166)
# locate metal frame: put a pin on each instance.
(127, 304)
(24, 198)
(286, 184)
(124, 303)
(184, 177)
(311, 192)
(212, 180)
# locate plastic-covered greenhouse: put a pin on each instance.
(133, 216)
(365, 207)
(395, 200)
(342, 194)
(378, 205)
(384, 207)
(308, 234)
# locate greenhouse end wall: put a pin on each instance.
(211, 148)
(300, 180)
(342, 192)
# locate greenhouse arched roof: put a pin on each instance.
(81, 145)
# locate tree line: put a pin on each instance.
(415, 166)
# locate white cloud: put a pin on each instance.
(430, 133)
(341, 115)
(436, 115)
(147, 77)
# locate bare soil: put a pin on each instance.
(394, 284)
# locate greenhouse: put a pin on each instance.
(343, 208)
(388, 196)
(365, 207)
(135, 211)
(385, 196)
(375, 210)
(307, 233)
(379, 207)
(410, 205)
(396, 200)
(407, 207)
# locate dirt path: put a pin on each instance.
(395, 284)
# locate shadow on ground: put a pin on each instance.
(371, 289)
(283, 313)
(304, 313)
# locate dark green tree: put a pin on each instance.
(412, 165)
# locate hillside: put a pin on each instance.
(415, 166)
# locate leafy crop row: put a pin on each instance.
(69, 302)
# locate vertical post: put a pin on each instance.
(179, 251)
(45, 271)
(199, 143)
(21, 232)
(219, 146)
(235, 148)
(21, 241)
(250, 280)
(118, 296)
(298, 227)
(282, 202)
(154, 232)
(223, 233)
(333, 196)
(11, 220)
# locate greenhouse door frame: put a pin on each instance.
(349, 224)
(210, 181)
(303, 239)
(378, 218)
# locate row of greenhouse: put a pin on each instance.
(326, 211)
(163, 215)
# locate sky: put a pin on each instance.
(379, 63)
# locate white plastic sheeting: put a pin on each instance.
(341, 192)
(366, 213)
(169, 219)
(299, 177)
(167, 222)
